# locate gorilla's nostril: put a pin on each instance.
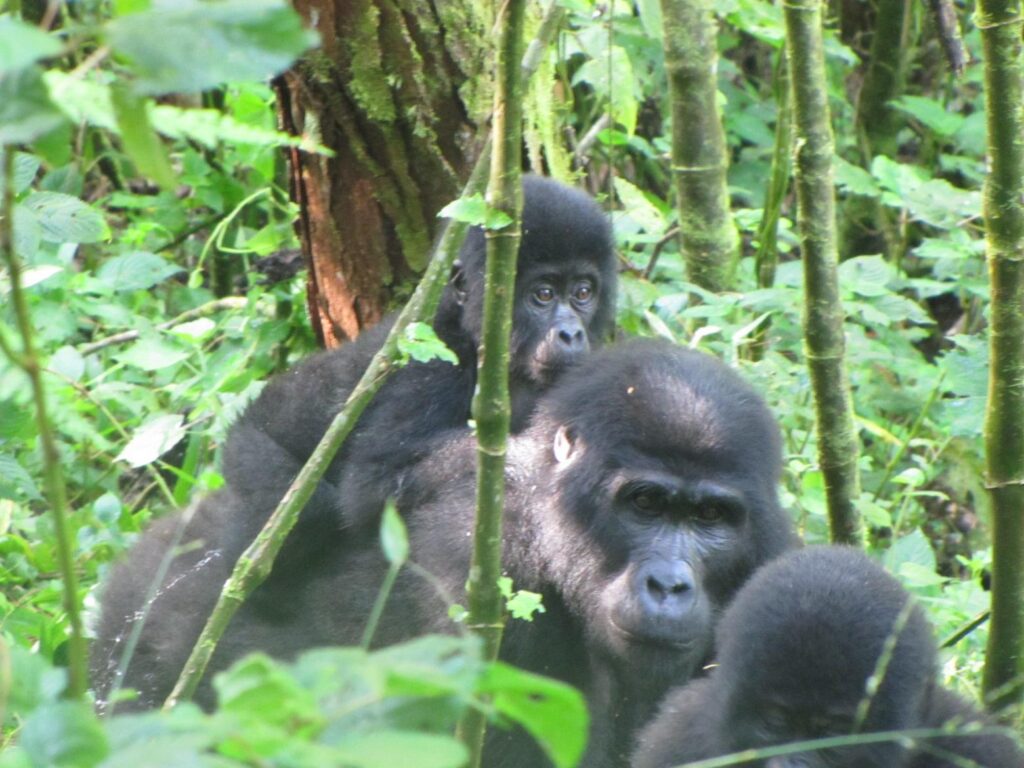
(571, 338)
(662, 591)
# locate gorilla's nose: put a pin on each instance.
(668, 588)
(573, 338)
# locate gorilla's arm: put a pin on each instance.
(176, 611)
(684, 730)
(948, 710)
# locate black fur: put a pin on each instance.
(639, 499)
(566, 248)
(796, 650)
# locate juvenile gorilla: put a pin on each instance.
(638, 501)
(796, 651)
(564, 306)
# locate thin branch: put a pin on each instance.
(56, 491)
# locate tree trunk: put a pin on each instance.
(396, 93)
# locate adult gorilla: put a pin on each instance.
(564, 306)
(797, 653)
(638, 501)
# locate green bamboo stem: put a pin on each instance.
(1001, 26)
(56, 492)
(708, 236)
(823, 310)
(877, 122)
(491, 409)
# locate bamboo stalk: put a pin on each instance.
(491, 408)
(1001, 26)
(823, 311)
(708, 236)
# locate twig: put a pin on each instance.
(229, 302)
(56, 492)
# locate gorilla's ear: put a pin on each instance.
(567, 445)
(457, 280)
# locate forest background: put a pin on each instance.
(186, 227)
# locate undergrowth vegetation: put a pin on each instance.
(164, 286)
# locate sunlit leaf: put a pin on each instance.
(551, 711)
(153, 439)
(135, 271)
(64, 734)
(26, 111)
(66, 219)
(140, 141)
(21, 44)
(192, 46)
(394, 539)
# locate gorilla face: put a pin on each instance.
(665, 464)
(554, 320)
(565, 282)
(766, 720)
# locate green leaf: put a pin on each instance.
(26, 167)
(524, 604)
(933, 201)
(153, 439)
(639, 208)
(259, 687)
(15, 482)
(930, 112)
(912, 548)
(151, 354)
(21, 44)
(193, 46)
(394, 539)
(866, 275)
(126, 7)
(388, 749)
(64, 734)
(475, 210)
(552, 712)
(140, 141)
(28, 234)
(874, 514)
(854, 179)
(420, 342)
(210, 127)
(68, 362)
(610, 74)
(26, 111)
(650, 17)
(136, 271)
(66, 219)
(82, 100)
(33, 681)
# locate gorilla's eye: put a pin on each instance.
(544, 294)
(710, 512)
(647, 499)
(583, 292)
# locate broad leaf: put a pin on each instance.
(21, 44)
(66, 219)
(192, 46)
(26, 111)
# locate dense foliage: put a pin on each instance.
(160, 271)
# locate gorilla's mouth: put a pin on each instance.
(659, 638)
